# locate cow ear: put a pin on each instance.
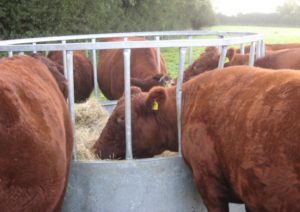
(156, 98)
(134, 90)
(137, 82)
(230, 53)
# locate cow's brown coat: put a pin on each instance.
(36, 137)
(143, 65)
(241, 134)
(83, 73)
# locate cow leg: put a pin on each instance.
(212, 195)
(199, 153)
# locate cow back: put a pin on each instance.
(241, 126)
(143, 64)
(36, 137)
(83, 73)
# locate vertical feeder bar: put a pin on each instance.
(262, 48)
(222, 56)
(220, 37)
(10, 53)
(69, 65)
(242, 48)
(252, 53)
(34, 44)
(179, 97)
(95, 70)
(258, 52)
(158, 55)
(190, 51)
(65, 60)
(126, 53)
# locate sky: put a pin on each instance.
(233, 7)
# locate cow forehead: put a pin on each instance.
(137, 102)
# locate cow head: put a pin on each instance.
(57, 72)
(149, 82)
(151, 134)
(208, 60)
(236, 58)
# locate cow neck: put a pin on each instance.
(167, 121)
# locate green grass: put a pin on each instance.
(271, 34)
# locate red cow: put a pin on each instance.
(83, 73)
(36, 137)
(273, 47)
(57, 72)
(241, 135)
(208, 60)
(143, 65)
(287, 58)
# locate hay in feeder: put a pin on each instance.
(90, 120)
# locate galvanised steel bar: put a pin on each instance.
(126, 53)
(190, 51)
(65, 60)
(69, 65)
(222, 56)
(182, 53)
(95, 69)
(158, 55)
(257, 50)
(252, 53)
(242, 48)
(34, 44)
(262, 48)
(134, 44)
(128, 34)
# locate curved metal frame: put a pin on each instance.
(223, 40)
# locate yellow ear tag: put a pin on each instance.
(226, 60)
(155, 105)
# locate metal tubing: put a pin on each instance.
(128, 34)
(252, 54)
(34, 44)
(222, 56)
(126, 53)
(95, 70)
(69, 65)
(158, 55)
(258, 52)
(242, 48)
(190, 51)
(179, 96)
(65, 60)
(220, 37)
(262, 48)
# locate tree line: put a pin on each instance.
(32, 18)
(287, 14)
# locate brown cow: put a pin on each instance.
(208, 60)
(241, 133)
(273, 47)
(56, 71)
(36, 137)
(83, 73)
(143, 65)
(287, 58)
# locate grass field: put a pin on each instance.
(272, 35)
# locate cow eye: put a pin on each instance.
(121, 120)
